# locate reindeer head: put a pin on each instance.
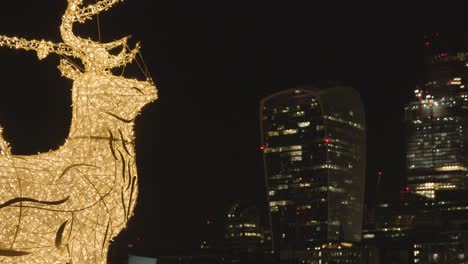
(111, 96)
(96, 87)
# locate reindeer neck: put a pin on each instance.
(100, 126)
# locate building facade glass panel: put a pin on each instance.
(314, 155)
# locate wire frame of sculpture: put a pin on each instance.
(66, 205)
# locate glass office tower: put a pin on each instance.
(436, 144)
(313, 143)
(436, 120)
(436, 151)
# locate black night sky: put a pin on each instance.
(198, 145)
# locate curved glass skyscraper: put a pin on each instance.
(314, 150)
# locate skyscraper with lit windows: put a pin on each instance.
(313, 143)
(437, 143)
(436, 121)
(244, 233)
(437, 154)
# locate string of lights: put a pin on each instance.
(66, 205)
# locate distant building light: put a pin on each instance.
(303, 124)
(451, 168)
(141, 260)
(344, 244)
(283, 149)
(289, 131)
(327, 140)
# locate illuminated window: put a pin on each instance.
(303, 124)
(298, 113)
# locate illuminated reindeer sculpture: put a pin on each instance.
(65, 206)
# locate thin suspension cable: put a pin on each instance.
(71, 62)
(123, 71)
(148, 74)
(141, 68)
(98, 26)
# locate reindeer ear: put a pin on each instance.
(69, 70)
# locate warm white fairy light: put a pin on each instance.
(65, 206)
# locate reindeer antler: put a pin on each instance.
(94, 55)
(42, 47)
(82, 14)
